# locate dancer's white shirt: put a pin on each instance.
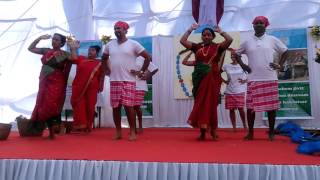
(122, 58)
(142, 84)
(234, 73)
(262, 51)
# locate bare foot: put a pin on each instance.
(271, 136)
(118, 136)
(50, 137)
(248, 137)
(132, 137)
(201, 138)
(140, 131)
(214, 135)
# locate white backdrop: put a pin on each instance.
(22, 21)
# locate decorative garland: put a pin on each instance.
(179, 76)
(315, 34)
(105, 39)
(317, 59)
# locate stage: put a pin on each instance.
(159, 153)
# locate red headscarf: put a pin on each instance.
(262, 19)
(122, 24)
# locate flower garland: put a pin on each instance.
(315, 32)
(105, 39)
(179, 76)
(71, 39)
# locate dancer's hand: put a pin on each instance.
(275, 66)
(194, 26)
(73, 44)
(46, 36)
(133, 72)
(218, 30)
(242, 81)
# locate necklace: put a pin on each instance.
(203, 53)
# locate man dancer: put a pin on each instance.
(262, 90)
(119, 57)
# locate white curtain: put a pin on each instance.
(114, 170)
(167, 110)
(171, 17)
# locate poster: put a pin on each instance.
(294, 89)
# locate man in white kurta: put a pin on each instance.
(262, 90)
(120, 55)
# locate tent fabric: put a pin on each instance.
(207, 12)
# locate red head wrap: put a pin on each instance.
(262, 19)
(122, 24)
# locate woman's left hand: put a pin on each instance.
(218, 30)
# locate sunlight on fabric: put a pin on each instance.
(170, 5)
(15, 9)
(53, 16)
(103, 8)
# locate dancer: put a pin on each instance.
(206, 78)
(52, 81)
(262, 90)
(235, 90)
(85, 87)
(119, 58)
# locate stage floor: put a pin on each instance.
(178, 145)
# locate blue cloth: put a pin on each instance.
(309, 147)
(309, 143)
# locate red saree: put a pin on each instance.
(52, 86)
(85, 88)
(206, 98)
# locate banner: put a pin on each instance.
(294, 89)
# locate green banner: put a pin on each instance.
(147, 103)
(294, 101)
(146, 107)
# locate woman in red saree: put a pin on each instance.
(52, 82)
(206, 78)
(85, 87)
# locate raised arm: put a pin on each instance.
(188, 63)
(74, 45)
(34, 49)
(227, 38)
(184, 39)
